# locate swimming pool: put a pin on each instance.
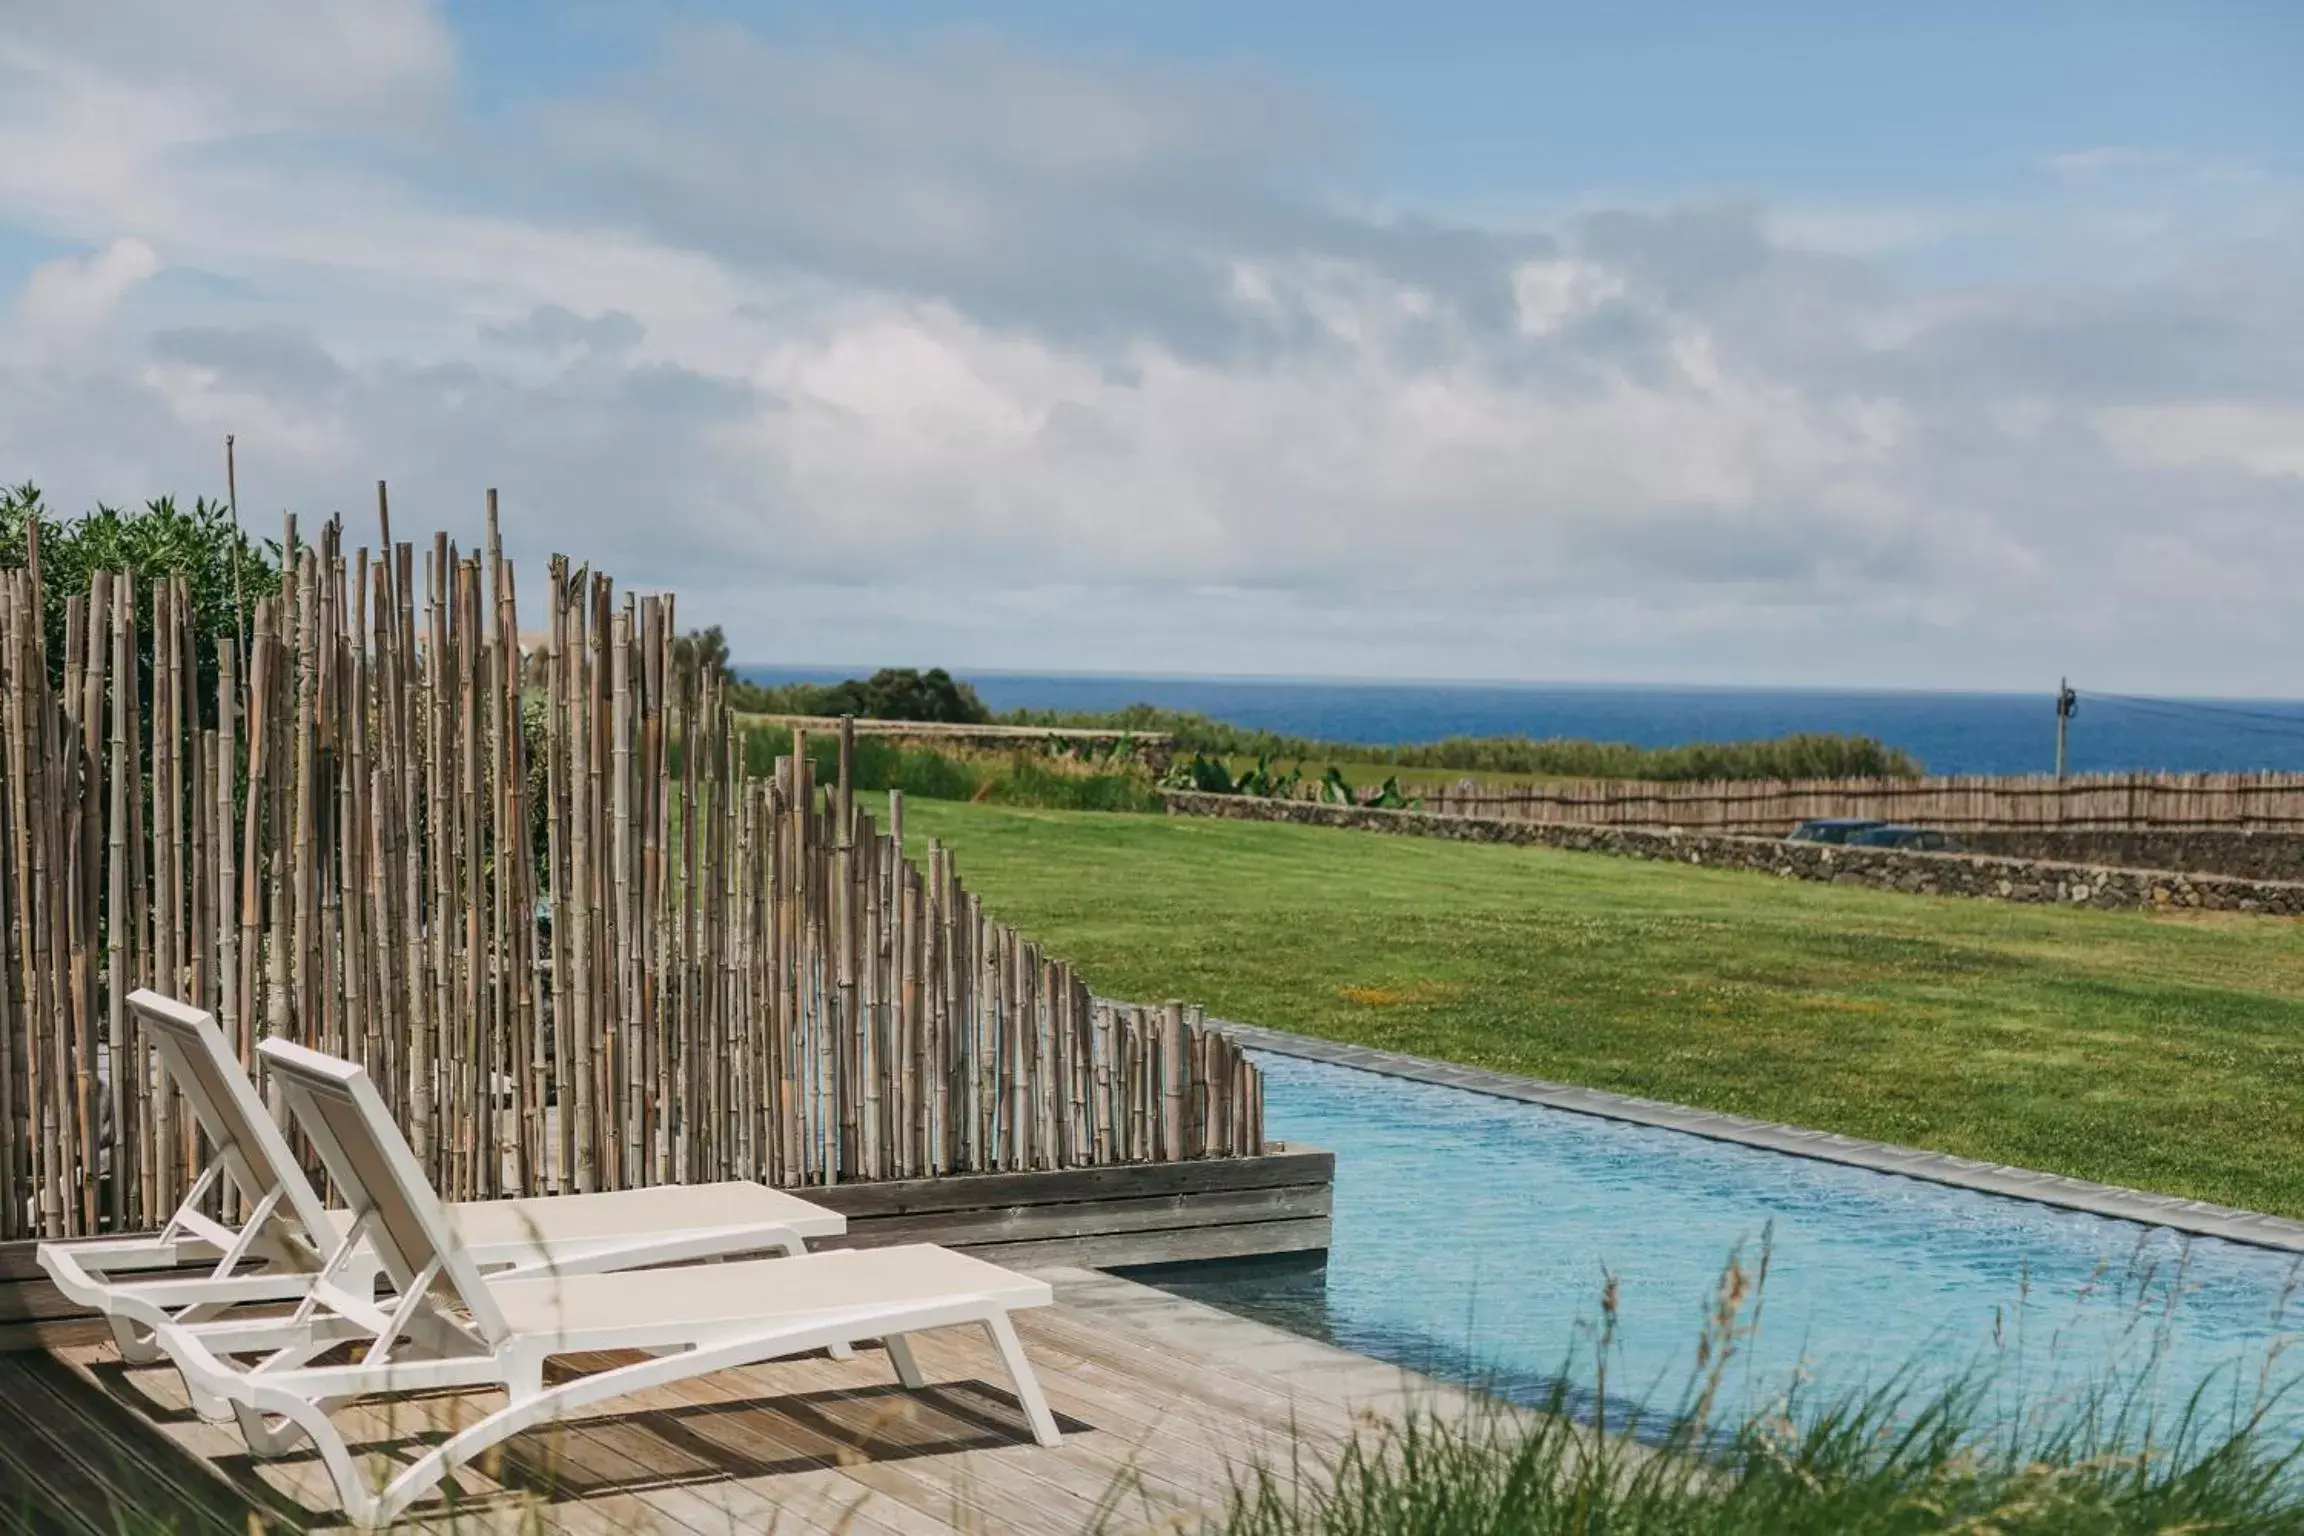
(1474, 1234)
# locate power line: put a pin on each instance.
(2197, 706)
(2251, 721)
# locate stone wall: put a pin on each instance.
(1936, 874)
(2214, 851)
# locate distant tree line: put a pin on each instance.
(904, 693)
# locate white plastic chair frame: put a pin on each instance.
(516, 1324)
(290, 1229)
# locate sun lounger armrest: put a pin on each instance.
(82, 1268)
(65, 1269)
(90, 1285)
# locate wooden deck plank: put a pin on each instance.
(1180, 1445)
(1076, 1479)
(201, 1455)
(1176, 1441)
(1164, 1405)
(1263, 1403)
(882, 1439)
(290, 1493)
(758, 1441)
(735, 1415)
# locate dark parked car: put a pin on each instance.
(1917, 839)
(1831, 829)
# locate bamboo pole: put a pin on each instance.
(350, 842)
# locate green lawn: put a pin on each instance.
(2165, 1053)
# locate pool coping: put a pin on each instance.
(2198, 1218)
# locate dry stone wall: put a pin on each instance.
(1934, 874)
(2215, 851)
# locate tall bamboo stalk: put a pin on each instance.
(643, 962)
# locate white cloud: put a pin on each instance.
(1874, 231)
(2261, 439)
(257, 64)
(1550, 293)
(67, 298)
(1002, 359)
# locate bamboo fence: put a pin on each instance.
(578, 942)
(2260, 802)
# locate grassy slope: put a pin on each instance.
(2158, 1052)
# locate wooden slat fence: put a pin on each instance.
(2093, 802)
(544, 897)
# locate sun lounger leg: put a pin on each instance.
(1020, 1376)
(136, 1348)
(135, 1342)
(907, 1368)
(263, 1439)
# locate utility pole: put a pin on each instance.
(2067, 705)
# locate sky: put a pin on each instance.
(1862, 344)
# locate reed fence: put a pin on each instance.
(2095, 802)
(577, 940)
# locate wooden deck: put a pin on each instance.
(1162, 1401)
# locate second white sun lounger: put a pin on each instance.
(289, 1227)
(690, 1321)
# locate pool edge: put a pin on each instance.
(2198, 1218)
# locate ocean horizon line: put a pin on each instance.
(840, 671)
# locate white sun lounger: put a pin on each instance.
(288, 1225)
(691, 1321)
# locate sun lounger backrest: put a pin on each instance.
(241, 1130)
(371, 1162)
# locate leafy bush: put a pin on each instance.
(925, 773)
(1211, 777)
(163, 539)
(1029, 781)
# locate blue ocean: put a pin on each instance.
(1947, 732)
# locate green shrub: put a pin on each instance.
(1030, 782)
(879, 765)
(200, 544)
(1805, 755)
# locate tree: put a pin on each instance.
(906, 693)
(892, 693)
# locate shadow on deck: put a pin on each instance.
(1163, 1402)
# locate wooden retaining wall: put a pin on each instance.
(1277, 1202)
(1771, 807)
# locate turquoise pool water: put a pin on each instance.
(1474, 1236)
